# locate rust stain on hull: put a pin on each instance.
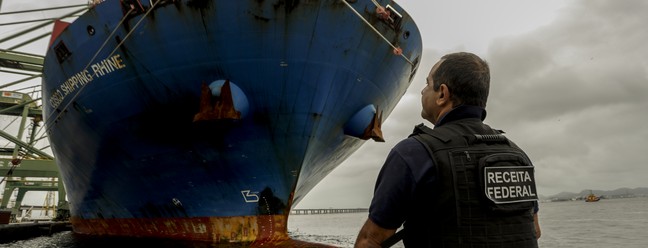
(374, 130)
(253, 231)
(222, 109)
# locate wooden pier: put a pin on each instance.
(328, 211)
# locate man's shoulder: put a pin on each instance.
(421, 129)
(408, 145)
(413, 154)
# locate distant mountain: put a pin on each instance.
(621, 192)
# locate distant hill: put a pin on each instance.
(617, 193)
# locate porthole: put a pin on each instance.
(91, 30)
(406, 34)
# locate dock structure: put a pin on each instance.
(20, 160)
(22, 231)
(328, 211)
(26, 163)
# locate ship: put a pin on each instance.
(208, 120)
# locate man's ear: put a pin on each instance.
(444, 95)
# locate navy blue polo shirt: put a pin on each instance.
(408, 165)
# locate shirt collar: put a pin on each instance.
(462, 112)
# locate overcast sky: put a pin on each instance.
(569, 84)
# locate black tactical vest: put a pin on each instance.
(486, 190)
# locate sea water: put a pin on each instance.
(606, 223)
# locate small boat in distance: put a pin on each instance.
(592, 198)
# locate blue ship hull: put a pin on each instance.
(208, 120)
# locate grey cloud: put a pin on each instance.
(574, 94)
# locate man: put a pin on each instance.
(449, 186)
